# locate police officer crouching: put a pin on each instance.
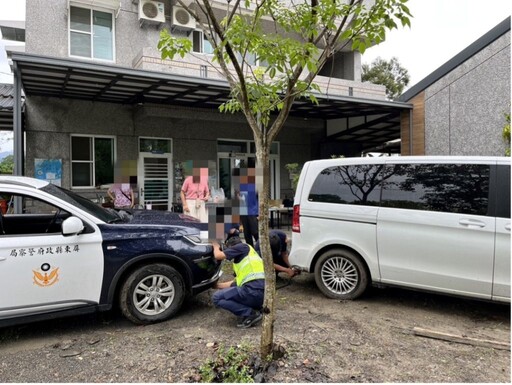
(243, 296)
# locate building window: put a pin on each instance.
(155, 145)
(200, 43)
(250, 58)
(203, 71)
(91, 33)
(236, 146)
(274, 148)
(92, 161)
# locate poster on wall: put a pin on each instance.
(49, 170)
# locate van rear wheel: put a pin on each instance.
(340, 274)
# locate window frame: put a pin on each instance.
(91, 9)
(93, 160)
(160, 139)
(202, 38)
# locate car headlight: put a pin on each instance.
(196, 240)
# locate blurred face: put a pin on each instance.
(196, 174)
(251, 175)
(248, 176)
(199, 174)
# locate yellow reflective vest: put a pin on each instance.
(249, 268)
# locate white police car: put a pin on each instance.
(61, 254)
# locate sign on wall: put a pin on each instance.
(49, 170)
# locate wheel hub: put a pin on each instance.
(153, 293)
(339, 275)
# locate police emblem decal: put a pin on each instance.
(46, 276)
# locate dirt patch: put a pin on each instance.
(368, 340)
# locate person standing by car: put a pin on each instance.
(249, 206)
(279, 246)
(195, 193)
(244, 296)
(122, 195)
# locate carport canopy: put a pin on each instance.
(378, 121)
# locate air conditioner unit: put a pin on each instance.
(151, 12)
(182, 20)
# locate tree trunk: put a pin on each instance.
(267, 329)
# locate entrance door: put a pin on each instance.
(226, 165)
(229, 161)
(155, 186)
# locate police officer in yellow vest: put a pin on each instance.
(244, 296)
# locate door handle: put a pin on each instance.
(471, 222)
(2, 258)
(507, 226)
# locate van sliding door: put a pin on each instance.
(433, 228)
(501, 281)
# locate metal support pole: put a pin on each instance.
(410, 132)
(17, 124)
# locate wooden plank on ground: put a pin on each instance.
(461, 339)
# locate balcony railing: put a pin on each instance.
(199, 65)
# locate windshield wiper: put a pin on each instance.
(122, 216)
(117, 220)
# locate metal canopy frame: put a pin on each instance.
(75, 79)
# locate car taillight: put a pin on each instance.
(296, 219)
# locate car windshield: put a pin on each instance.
(109, 216)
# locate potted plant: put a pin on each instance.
(294, 172)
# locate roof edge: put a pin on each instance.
(457, 60)
(29, 58)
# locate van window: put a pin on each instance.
(354, 184)
(503, 193)
(455, 188)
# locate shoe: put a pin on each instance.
(240, 322)
(253, 319)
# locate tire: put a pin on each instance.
(152, 293)
(341, 274)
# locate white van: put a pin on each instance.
(440, 224)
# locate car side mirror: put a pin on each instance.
(72, 225)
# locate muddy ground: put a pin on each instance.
(368, 340)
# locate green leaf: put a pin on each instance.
(312, 67)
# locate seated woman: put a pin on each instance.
(122, 196)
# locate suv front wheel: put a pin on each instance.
(152, 293)
(340, 274)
